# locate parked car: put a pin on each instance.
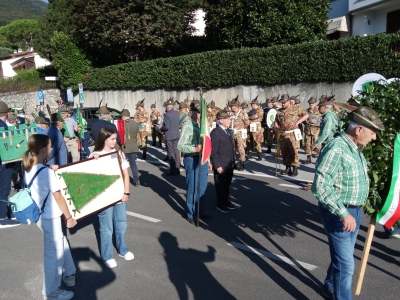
(90, 114)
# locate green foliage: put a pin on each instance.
(6, 43)
(5, 51)
(262, 23)
(20, 9)
(344, 59)
(58, 17)
(28, 74)
(69, 60)
(21, 32)
(384, 99)
(112, 31)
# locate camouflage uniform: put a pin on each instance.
(142, 134)
(210, 119)
(155, 117)
(257, 136)
(239, 121)
(288, 144)
(312, 132)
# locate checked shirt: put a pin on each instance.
(341, 175)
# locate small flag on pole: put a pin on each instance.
(205, 132)
(390, 211)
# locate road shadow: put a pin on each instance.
(87, 281)
(271, 212)
(188, 271)
(166, 189)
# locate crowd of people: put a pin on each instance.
(341, 182)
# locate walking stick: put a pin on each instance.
(200, 155)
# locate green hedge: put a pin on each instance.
(339, 60)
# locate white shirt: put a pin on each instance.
(46, 181)
(124, 162)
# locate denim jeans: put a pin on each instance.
(131, 157)
(5, 188)
(192, 182)
(57, 258)
(113, 219)
(341, 246)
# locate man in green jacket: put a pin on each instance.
(131, 148)
(329, 125)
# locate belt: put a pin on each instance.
(290, 131)
(191, 154)
(352, 206)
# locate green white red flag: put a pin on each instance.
(390, 211)
(205, 132)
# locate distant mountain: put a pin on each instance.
(21, 9)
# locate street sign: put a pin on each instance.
(70, 95)
(40, 95)
(81, 98)
(80, 86)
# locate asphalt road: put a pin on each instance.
(272, 247)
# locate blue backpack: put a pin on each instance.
(22, 205)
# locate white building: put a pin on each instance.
(374, 16)
(11, 64)
(362, 17)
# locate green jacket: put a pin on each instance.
(131, 130)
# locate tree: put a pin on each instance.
(69, 60)
(112, 31)
(58, 17)
(262, 23)
(21, 32)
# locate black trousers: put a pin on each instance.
(173, 156)
(222, 184)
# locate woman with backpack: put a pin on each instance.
(58, 263)
(114, 217)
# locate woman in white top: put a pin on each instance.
(114, 217)
(57, 255)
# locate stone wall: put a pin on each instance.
(119, 98)
(28, 101)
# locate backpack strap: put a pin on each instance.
(44, 202)
(34, 177)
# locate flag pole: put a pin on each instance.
(364, 257)
(199, 171)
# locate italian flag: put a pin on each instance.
(205, 132)
(390, 211)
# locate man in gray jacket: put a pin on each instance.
(130, 148)
(170, 128)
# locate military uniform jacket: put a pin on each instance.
(144, 117)
(155, 117)
(239, 120)
(286, 117)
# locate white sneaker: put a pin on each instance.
(69, 280)
(111, 263)
(128, 256)
(60, 294)
(8, 223)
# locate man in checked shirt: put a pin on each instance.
(341, 186)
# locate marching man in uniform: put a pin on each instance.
(287, 121)
(312, 127)
(240, 122)
(256, 130)
(143, 116)
(155, 117)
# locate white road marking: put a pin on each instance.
(268, 254)
(142, 217)
(290, 185)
